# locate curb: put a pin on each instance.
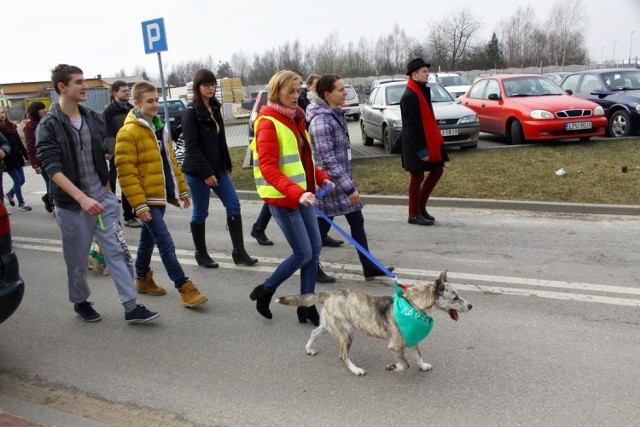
(449, 202)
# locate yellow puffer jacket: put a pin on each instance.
(139, 165)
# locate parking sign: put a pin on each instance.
(154, 36)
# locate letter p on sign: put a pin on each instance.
(154, 36)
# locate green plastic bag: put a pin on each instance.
(414, 325)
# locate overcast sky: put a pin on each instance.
(102, 37)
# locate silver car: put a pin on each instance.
(381, 120)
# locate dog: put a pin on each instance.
(346, 310)
(96, 259)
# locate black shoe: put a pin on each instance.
(140, 314)
(203, 259)
(322, 277)
(262, 297)
(419, 220)
(11, 198)
(426, 215)
(372, 274)
(331, 242)
(48, 206)
(261, 238)
(242, 257)
(87, 312)
(310, 314)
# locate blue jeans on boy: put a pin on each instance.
(155, 232)
(300, 228)
(200, 194)
(17, 175)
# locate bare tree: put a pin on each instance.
(564, 26)
(241, 66)
(450, 38)
(327, 54)
(517, 34)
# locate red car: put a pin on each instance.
(525, 107)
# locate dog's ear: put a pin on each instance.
(443, 275)
(440, 282)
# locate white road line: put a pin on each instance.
(343, 271)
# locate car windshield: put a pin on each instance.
(623, 80)
(173, 107)
(452, 81)
(439, 94)
(530, 86)
(394, 93)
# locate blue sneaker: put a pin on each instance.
(87, 312)
(140, 314)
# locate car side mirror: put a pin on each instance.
(494, 97)
(569, 92)
(600, 93)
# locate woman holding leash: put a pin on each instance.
(207, 167)
(332, 151)
(286, 177)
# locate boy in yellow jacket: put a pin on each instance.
(150, 179)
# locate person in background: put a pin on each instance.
(14, 161)
(309, 91)
(150, 179)
(35, 112)
(332, 152)
(114, 116)
(207, 167)
(4, 149)
(70, 148)
(422, 143)
(286, 177)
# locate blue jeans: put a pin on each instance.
(155, 232)
(46, 180)
(17, 175)
(300, 228)
(263, 219)
(200, 193)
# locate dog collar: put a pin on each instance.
(413, 324)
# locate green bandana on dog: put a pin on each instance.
(414, 325)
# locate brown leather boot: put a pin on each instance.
(191, 296)
(146, 285)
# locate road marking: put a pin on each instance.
(352, 272)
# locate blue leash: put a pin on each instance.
(350, 239)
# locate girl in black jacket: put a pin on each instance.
(14, 160)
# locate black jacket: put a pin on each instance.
(56, 152)
(17, 153)
(113, 117)
(206, 151)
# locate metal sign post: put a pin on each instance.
(155, 41)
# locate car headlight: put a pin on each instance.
(469, 119)
(396, 124)
(599, 111)
(541, 114)
(638, 108)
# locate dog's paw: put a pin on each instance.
(311, 351)
(395, 367)
(425, 367)
(358, 371)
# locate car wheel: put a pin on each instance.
(365, 139)
(619, 124)
(387, 142)
(355, 117)
(517, 137)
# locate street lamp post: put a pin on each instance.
(614, 52)
(602, 56)
(630, 44)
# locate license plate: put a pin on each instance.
(449, 132)
(578, 125)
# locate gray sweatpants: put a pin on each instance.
(77, 230)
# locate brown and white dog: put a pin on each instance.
(346, 310)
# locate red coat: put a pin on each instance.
(268, 148)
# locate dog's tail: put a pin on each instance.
(306, 300)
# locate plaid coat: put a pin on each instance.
(330, 141)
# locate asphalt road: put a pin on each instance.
(553, 337)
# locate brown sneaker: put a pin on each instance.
(146, 285)
(191, 296)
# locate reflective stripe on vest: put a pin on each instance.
(289, 162)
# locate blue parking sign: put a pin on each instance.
(154, 36)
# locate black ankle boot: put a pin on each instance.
(262, 297)
(239, 254)
(322, 277)
(308, 313)
(203, 259)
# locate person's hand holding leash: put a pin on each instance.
(307, 199)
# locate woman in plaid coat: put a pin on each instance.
(332, 152)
